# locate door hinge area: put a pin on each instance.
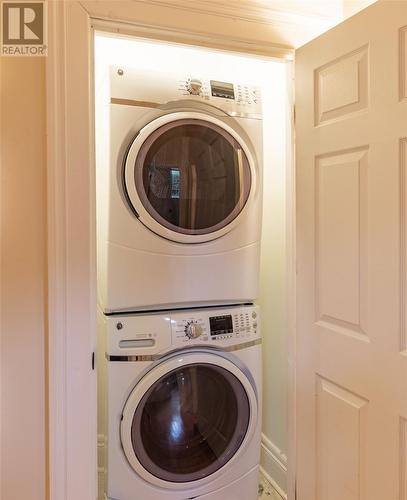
(93, 360)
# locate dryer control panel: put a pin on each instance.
(236, 96)
(154, 89)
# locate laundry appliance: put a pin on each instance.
(184, 400)
(179, 191)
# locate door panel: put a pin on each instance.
(351, 108)
(341, 86)
(340, 249)
(403, 241)
(340, 440)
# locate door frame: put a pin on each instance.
(72, 235)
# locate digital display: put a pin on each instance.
(221, 324)
(222, 89)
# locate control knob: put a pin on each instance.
(193, 330)
(194, 86)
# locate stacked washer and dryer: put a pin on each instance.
(179, 189)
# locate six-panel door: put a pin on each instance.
(351, 103)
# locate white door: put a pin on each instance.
(351, 107)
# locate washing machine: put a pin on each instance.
(184, 404)
(179, 191)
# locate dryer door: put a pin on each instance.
(187, 419)
(189, 177)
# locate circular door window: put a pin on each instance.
(188, 424)
(191, 176)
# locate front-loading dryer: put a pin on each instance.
(179, 191)
(183, 404)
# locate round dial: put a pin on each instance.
(194, 86)
(193, 330)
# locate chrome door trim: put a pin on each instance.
(156, 357)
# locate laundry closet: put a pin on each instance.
(192, 155)
(181, 386)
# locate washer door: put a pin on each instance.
(189, 176)
(187, 418)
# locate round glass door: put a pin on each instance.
(191, 176)
(190, 422)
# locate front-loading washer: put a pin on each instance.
(183, 404)
(179, 191)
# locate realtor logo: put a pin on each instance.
(23, 28)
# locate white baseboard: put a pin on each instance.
(273, 464)
(102, 472)
(101, 451)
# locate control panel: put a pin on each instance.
(235, 98)
(215, 326)
(223, 94)
(241, 94)
(145, 334)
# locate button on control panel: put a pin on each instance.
(188, 328)
(194, 87)
(247, 95)
(193, 330)
(212, 326)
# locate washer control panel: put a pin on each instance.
(152, 333)
(215, 326)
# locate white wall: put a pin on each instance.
(271, 76)
(273, 280)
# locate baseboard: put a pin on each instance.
(273, 464)
(101, 450)
(102, 472)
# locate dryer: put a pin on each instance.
(179, 191)
(184, 404)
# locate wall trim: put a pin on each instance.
(291, 310)
(251, 11)
(201, 39)
(290, 27)
(273, 484)
(56, 221)
(273, 464)
(71, 255)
